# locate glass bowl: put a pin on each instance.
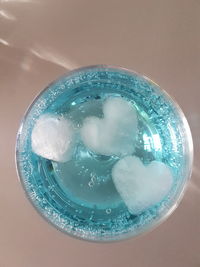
(99, 209)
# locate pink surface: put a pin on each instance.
(39, 41)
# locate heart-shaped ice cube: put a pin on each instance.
(115, 134)
(141, 186)
(53, 138)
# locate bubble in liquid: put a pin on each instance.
(108, 211)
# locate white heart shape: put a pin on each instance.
(115, 134)
(53, 138)
(141, 186)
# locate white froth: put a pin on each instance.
(115, 134)
(141, 186)
(53, 138)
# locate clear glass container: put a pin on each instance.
(86, 196)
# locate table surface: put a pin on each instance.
(39, 41)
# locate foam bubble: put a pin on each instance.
(53, 138)
(114, 134)
(141, 186)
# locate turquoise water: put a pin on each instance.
(79, 196)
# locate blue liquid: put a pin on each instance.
(79, 196)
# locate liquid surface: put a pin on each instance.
(79, 195)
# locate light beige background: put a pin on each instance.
(39, 41)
